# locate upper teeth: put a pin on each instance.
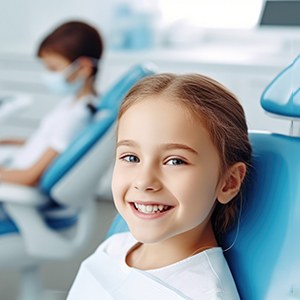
(149, 209)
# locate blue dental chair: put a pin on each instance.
(53, 221)
(263, 249)
(265, 258)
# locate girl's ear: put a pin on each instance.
(231, 184)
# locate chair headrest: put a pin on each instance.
(263, 251)
(114, 96)
(282, 95)
(82, 144)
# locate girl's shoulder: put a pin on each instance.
(205, 275)
(118, 244)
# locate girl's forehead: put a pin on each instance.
(161, 118)
(159, 102)
(167, 106)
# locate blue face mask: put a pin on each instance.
(57, 81)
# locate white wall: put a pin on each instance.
(245, 61)
(24, 23)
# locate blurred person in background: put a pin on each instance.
(70, 54)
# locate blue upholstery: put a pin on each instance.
(109, 103)
(282, 95)
(6, 224)
(266, 244)
(265, 257)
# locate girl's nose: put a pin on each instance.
(147, 181)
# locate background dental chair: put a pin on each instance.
(263, 249)
(54, 220)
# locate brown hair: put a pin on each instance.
(73, 40)
(218, 110)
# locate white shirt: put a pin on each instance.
(204, 276)
(57, 130)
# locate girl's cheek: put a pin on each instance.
(114, 184)
(118, 180)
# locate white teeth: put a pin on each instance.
(150, 209)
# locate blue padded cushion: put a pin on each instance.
(282, 95)
(270, 218)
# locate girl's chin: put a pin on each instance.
(146, 236)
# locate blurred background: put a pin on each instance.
(242, 43)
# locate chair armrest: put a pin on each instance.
(21, 194)
(45, 243)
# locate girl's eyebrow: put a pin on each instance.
(126, 143)
(171, 146)
(168, 146)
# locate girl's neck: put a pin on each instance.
(175, 249)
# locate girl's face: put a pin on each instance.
(166, 174)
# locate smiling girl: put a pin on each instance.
(181, 158)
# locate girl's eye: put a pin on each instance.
(130, 158)
(175, 162)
